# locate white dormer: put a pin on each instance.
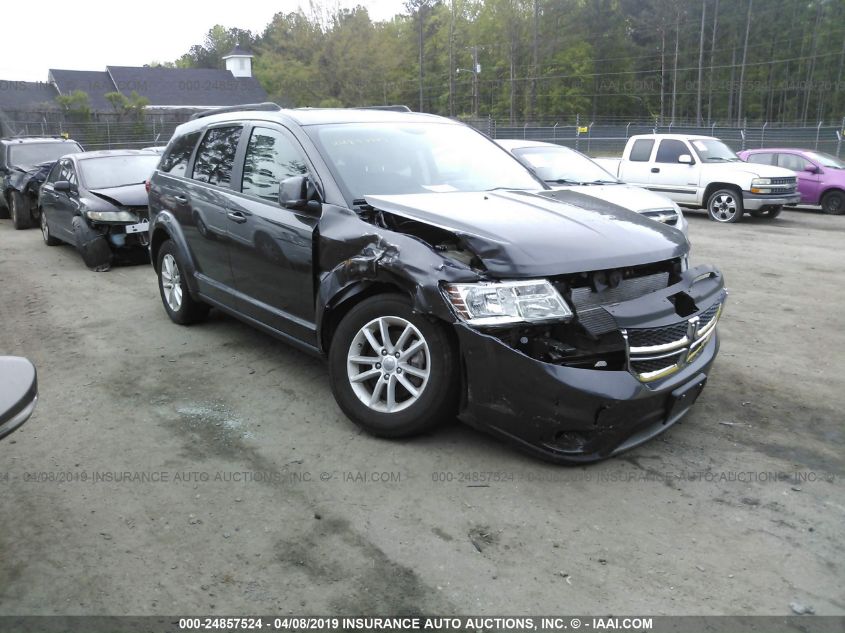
(239, 62)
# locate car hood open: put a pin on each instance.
(521, 234)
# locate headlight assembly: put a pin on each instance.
(111, 216)
(501, 303)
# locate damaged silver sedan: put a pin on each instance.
(418, 257)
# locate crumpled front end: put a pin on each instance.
(630, 365)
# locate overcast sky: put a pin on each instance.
(90, 34)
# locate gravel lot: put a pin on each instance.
(264, 500)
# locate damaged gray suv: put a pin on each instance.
(422, 261)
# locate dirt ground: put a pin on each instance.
(207, 470)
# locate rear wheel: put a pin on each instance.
(725, 205)
(393, 372)
(180, 306)
(21, 216)
(834, 203)
(49, 240)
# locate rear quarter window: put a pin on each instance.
(641, 150)
(175, 160)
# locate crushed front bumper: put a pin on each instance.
(574, 415)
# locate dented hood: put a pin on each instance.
(125, 196)
(522, 234)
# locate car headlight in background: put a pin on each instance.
(500, 303)
(111, 216)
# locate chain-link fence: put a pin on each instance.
(609, 139)
(97, 130)
(606, 137)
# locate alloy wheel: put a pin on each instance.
(171, 282)
(723, 207)
(388, 364)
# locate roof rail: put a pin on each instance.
(392, 108)
(267, 106)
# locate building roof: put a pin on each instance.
(24, 95)
(93, 83)
(187, 86)
(238, 52)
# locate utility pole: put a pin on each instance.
(700, 62)
(742, 68)
(422, 6)
(475, 70)
(675, 67)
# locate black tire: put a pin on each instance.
(49, 240)
(770, 212)
(437, 398)
(833, 203)
(725, 205)
(19, 210)
(189, 310)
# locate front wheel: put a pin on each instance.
(834, 203)
(49, 240)
(180, 306)
(21, 216)
(393, 372)
(725, 205)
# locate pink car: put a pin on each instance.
(821, 177)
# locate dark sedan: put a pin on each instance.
(97, 201)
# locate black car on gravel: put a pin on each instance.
(97, 201)
(415, 255)
(24, 164)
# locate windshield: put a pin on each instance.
(826, 160)
(713, 151)
(398, 158)
(31, 154)
(117, 171)
(564, 166)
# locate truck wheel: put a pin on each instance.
(21, 217)
(49, 240)
(768, 212)
(834, 203)
(180, 306)
(393, 372)
(725, 205)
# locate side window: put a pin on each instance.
(270, 158)
(763, 158)
(68, 173)
(53, 176)
(216, 156)
(641, 151)
(670, 150)
(792, 161)
(175, 161)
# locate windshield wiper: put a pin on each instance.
(606, 182)
(566, 181)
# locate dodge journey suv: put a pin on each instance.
(417, 256)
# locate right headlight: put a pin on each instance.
(501, 303)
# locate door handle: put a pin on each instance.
(236, 216)
(182, 199)
(655, 170)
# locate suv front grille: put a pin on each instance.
(655, 353)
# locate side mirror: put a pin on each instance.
(812, 169)
(686, 159)
(62, 185)
(18, 392)
(294, 194)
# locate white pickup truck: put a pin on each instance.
(701, 171)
